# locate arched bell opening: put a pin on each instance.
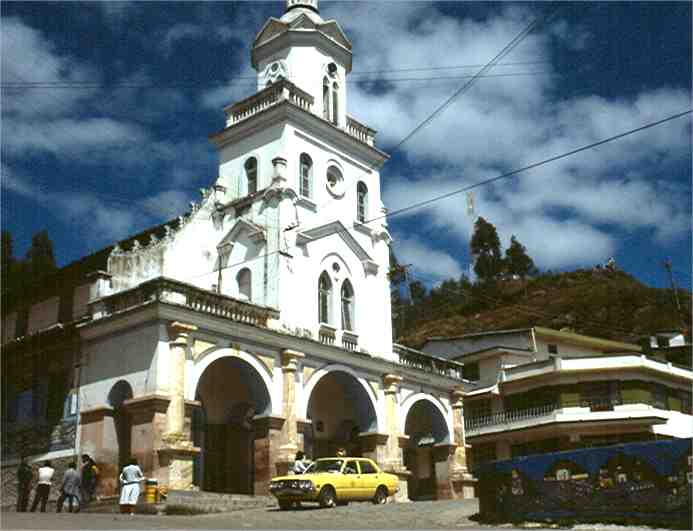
(340, 410)
(426, 428)
(232, 393)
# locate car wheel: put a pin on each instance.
(380, 496)
(285, 505)
(327, 497)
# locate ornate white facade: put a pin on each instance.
(215, 346)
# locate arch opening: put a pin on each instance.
(426, 427)
(340, 410)
(119, 393)
(232, 393)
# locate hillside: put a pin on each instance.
(602, 303)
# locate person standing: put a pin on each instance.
(43, 488)
(89, 478)
(300, 465)
(70, 489)
(24, 476)
(130, 479)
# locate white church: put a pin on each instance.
(213, 347)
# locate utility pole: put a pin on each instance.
(674, 290)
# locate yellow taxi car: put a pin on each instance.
(335, 481)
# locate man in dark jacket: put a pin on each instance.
(89, 479)
(24, 477)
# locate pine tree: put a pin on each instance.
(8, 261)
(517, 261)
(485, 246)
(40, 256)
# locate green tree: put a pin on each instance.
(40, 256)
(485, 246)
(7, 259)
(517, 261)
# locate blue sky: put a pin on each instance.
(120, 142)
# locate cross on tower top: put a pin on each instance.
(310, 4)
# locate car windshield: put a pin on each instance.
(326, 465)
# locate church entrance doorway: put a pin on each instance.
(340, 410)
(426, 427)
(231, 393)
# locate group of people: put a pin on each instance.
(77, 488)
(302, 463)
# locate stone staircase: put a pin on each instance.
(187, 502)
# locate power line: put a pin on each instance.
(464, 88)
(533, 312)
(430, 201)
(253, 79)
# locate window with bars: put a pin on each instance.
(324, 298)
(306, 175)
(347, 306)
(245, 284)
(361, 202)
(326, 98)
(335, 104)
(251, 175)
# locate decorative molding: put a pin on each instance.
(337, 228)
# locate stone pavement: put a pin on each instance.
(419, 515)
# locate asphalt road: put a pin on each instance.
(419, 515)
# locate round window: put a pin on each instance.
(335, 182)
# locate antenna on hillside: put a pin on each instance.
(674, 290)
(471, 212)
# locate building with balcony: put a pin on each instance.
(215, 346)
(540, 390)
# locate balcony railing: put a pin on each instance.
(472, 424)
(181, 294)
(361, 132)
(282, 90)
(418, 360)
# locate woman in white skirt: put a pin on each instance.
(130, 479)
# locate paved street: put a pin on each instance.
(420, 515)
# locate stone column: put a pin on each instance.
(393, 462)
(98, 439)
(268, 433)
(178, 345)
(462, 482)
(177, 451)
(289, 433)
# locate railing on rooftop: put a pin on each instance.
(418, 360)
(474, 424)
(360, 131)
(284, 90)
(174, 292)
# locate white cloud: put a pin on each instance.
(566, 212)
(437, 264)
(179, 32)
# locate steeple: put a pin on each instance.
(309, 4)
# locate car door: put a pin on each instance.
(350, 480)
(368, 480)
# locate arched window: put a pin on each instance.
(251, 174)
(361, 202)
(306, 175)
(324, 298)
(347, 306)
(335, 104)
(245, 283)
(326, 98)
